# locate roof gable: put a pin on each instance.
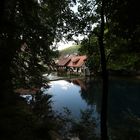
(77, 61)
(64, 61)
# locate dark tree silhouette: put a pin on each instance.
(104, 135)
(36, 24)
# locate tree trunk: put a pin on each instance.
(104, 135)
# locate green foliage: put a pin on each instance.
(93, 63)
(86, 16)
(27, 32)
(125, 62)
(90, 48)
(123, 17)
(45, 124)
(33, 121)
(120, 36)
(16, 122)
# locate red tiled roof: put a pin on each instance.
(64, 61)
(77, 61)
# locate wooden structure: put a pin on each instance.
(73, 63)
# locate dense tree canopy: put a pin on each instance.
(27, 32)
(121, 34)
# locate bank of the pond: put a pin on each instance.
(55, 77)
(126, 73)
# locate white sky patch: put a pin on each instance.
(64, 87)
(75, 8)
(62, 83)
(65, 44)
(62, 45)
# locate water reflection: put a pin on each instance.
(123, 105)
(66, 94)
(83, 98)
(79, 97)
(124, 111)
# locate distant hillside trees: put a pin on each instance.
(70, 50)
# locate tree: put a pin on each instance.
(27, 30)
(89, 46)
(119, 29)
(123, 23)
(92, 12)
(104, 133)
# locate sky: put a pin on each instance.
(63, 45)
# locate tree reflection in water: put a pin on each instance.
(123, 109)
(84, 128)
(123, 115)
(64, 124)
(88, 126)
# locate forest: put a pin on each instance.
(29, 32)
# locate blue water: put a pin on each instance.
(71, 95)
(123, 103)
(81, 94)
(67, 94)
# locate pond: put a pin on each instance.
(79, 95)
(69, 94)
(82, 98)
(124, 109)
